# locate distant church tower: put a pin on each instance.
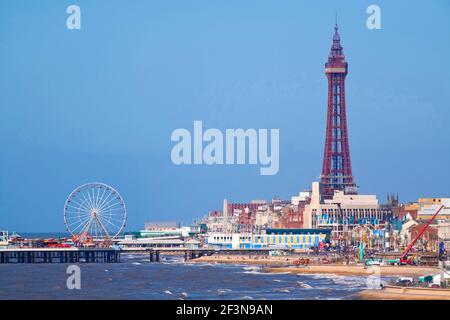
(336, 167)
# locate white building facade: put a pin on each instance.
(344, 212)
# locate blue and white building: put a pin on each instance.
(272, 239)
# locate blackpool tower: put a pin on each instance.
(336, 167)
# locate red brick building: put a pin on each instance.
(290, 219)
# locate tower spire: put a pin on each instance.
(336, 48)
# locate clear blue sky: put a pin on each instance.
(99, 104)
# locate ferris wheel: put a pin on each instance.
(95, 211)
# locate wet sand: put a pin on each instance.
(404, 293)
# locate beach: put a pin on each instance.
(247, 259)
(357, 270)
(285, 264)
(405, 293)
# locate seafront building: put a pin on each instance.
(3, 239)
(412, 218)
(346, 219)
(426, 207)
(271, 239)
(168, 229)
(344, 213)
(153, 242)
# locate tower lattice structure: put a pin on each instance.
(336, 167)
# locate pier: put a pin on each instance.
(59, 255)
(108, 255)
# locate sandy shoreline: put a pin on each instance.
(245, 259)
(285, 264)
(404, 293)
(358, 270)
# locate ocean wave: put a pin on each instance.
(248, 268)
(336, 279)
(222, 292)
(304, 285)
(206, 264)
(329, 282)
(174, 261)
(350, 281)
(283, 290)
(318, 275)
(131, 256)
(182, 296)
(264, 273)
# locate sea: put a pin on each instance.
(172, 278)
